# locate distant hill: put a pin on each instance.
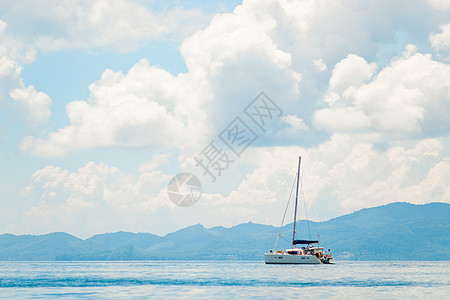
(397, 231)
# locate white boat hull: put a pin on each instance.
(275, 258)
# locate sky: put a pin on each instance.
(103, 102)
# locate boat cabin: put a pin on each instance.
(296, 251)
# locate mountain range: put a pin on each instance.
(396, 231)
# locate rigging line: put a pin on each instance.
(284, 239)
(304, 204)
(285, 210)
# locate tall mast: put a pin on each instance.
(296, 201)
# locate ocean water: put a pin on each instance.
(223, 280)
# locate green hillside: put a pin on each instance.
(397, 231)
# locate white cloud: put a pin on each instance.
(3, 26)
(238, 55)
(295, 122)
(97, 183)
(37, 104)
(146, 106)
(441, 41)
(338, 176)
(352, 71)
(296, 126)
(271, 46)
(95, 190)
(149, 106)
(120, 24)
(257, 47)
(408, 98)
(440, 4)
(33, 105)
(10, 71)
(320, 65)
(343, 119)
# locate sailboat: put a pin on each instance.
(308, 252)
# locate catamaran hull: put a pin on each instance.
(290, 259)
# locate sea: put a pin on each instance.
(223, 280)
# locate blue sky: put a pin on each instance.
(103, 102)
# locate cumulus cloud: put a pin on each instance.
(98, 182)
(146, 106)
(272, 46)
(95, 190)
(352, 71)
(10, 71)
(256, 47)
(238, 55)
(440, 4)
(34, 105)
(120, 25)
(37, 104)
(149, 106)
(408, 98)
(354, 176)
(339, 176)
(3, 26)
(320, 65)
(296, 126)
(441, 41)
(11, 59)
